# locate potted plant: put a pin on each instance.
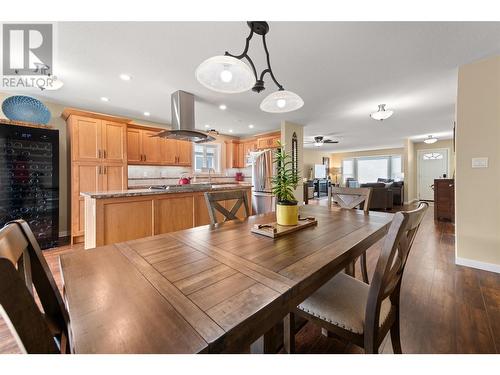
(284, 183)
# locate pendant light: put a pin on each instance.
(382, 113)
(229, 74)
(430, 140)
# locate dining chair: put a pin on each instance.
(24, 271)
(213, 200)
(349, 198)
(361, 313)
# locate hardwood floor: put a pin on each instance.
(445, 308)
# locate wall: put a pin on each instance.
(312, 157)
(287, 130)
(410, 188)
(477, 199)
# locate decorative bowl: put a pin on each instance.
(26, 109)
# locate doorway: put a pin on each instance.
(431, 164)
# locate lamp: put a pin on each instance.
(430, 140)
(382, 113)
(229, 74)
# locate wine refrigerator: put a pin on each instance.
(29, 180)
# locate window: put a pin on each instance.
(433, 156)
(207, 156)
(371, 168)
(347, 169)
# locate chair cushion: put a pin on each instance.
(342, 302)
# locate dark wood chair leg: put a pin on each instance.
(351, 269)
(395, 335)
(364, 269)
(289, 333)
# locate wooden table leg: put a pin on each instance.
(270, 343)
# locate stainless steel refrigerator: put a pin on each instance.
(262, 172)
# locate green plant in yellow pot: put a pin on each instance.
(284, 183)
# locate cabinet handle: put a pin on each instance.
(99, 170)
(99, 153)
(105, 170)
(104, 154)
(145, 157)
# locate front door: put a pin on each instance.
(432, 164)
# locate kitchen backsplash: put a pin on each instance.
(139, 175)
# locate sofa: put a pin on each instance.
(381, 197)
(397, 188)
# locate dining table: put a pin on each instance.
(209, 289)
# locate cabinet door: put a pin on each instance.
(134, 155)
(151, 147)
(172, 214)
(184, 153)
(262, 143)
(113, 177)
(85, 179)
(241, 156)
(201, 215)
(275, 141)
(113, 142)
(85, 138)
(168, 149)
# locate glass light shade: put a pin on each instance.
(225, 74)
(281, 101)
(430, 140)
(318, 144)
(382, 113)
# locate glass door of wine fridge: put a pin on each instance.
(29, 180)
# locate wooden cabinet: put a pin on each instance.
(249, 146)
(268, 142)
(444, 199)
(147, 149)
(234, 154)
(98, 148)
(173, 213)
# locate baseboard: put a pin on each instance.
(64, 233)
(477, 264)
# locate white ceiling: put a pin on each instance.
(342, 70)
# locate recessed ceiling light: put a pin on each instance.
(104, 99)
(250, 126)
(147, 114)
(125, 77)
(230, 130)
(222, 107)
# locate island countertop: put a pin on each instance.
(171, 189)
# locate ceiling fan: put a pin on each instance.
(319, 141)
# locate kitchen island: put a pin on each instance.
(123, 215)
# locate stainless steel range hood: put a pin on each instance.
(183, 126)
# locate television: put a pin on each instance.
(319, 171)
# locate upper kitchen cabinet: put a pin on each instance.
(269, 141)
(95, 137)
(145, 148)
(249, 146)
(234, 154)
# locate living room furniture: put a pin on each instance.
(182, 307)
(381, 198)
(397, 188)
(23, 271)
(320, 187)
(444, 199)
(360, 313)
(349, 198)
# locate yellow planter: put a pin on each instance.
(287, 215)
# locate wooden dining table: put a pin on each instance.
(209, 289)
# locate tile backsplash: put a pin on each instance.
(141, 175)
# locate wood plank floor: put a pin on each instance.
(445, 308)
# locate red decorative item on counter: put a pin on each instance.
(184, 181)
(239, 176)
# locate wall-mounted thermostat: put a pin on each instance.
(479, 162)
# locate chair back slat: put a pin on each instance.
(213, 198)
(386, 280)
(350, 198)
(32, 271)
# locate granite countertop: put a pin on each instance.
(173, 189)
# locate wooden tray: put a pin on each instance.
(274, 230)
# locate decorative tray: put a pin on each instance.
(274, 230)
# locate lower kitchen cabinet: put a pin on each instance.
(173, 213)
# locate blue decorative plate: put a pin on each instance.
(26, 109)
